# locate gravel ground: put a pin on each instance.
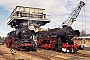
(42, 55)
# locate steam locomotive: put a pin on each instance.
(21, 39)
(58, 39)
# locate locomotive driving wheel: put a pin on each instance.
(53, 46)
(16, 46)
(58, 45)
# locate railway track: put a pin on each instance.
(52, 55)
(23, 55)
(5, 56)
(46, 56)
(64, 56)
(42, 54)
(82, 55)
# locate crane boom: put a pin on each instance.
(74, 14)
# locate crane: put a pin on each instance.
(74, 14)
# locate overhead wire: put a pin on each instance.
(82, 21)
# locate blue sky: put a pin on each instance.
(58, 9)
(3, 20)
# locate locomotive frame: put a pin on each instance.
(21, 39)
(58, 39)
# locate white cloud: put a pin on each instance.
(4, 28)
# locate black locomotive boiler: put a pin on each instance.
(22, 39)
(59, 39)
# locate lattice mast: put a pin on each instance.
(74, 14)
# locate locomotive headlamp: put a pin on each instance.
(23, 31)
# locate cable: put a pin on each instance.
(85, 18)
(82, 20)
